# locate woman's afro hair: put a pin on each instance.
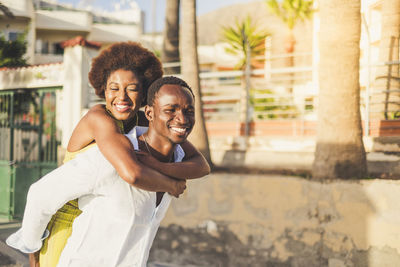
(128, 56)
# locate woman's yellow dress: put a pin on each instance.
(60, 225)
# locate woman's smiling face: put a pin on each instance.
(123, 94)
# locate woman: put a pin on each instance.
(121, 74)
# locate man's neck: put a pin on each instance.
(158, 146)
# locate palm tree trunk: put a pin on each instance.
(340, 151)
(170, 49)
(290, 43)
(190, 72)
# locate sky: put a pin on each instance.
(203, 6)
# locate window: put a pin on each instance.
(13, 36)
(57, 49)
(41, 47)
(38, 46)
(45, 47)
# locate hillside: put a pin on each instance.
(210, 25)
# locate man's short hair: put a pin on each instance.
(157, 84)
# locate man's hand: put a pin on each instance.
(179, 188)
(34, 259)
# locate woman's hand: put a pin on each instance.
(194, 165)
(150, 161)
(179, 188)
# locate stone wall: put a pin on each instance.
(264, 220)
(31, 77)
(296, 154)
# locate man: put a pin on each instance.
(118, 222)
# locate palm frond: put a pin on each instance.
(243, 33)
(291, 11)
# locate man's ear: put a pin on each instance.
(149, 113)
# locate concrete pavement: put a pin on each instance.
(10, 257)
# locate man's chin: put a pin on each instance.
(179, 139)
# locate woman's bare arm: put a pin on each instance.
(193, 166)
(118, 150)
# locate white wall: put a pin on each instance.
(20, 8)
(110, 33)
(47, 58)
(63, 20)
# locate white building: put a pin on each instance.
(48, 23)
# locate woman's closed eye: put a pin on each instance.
(132, 89)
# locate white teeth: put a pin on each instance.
(179, 130)
(121, 106)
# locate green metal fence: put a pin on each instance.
(28, 144)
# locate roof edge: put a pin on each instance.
(80, 40)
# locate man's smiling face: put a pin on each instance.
(173, 113)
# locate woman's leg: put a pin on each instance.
(60, 228)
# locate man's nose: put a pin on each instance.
(181, 117)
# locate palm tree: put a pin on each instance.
(237, 38)
(339, 151)
(170, 49)
(245, 41)
(290, 12)
(190, 72)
